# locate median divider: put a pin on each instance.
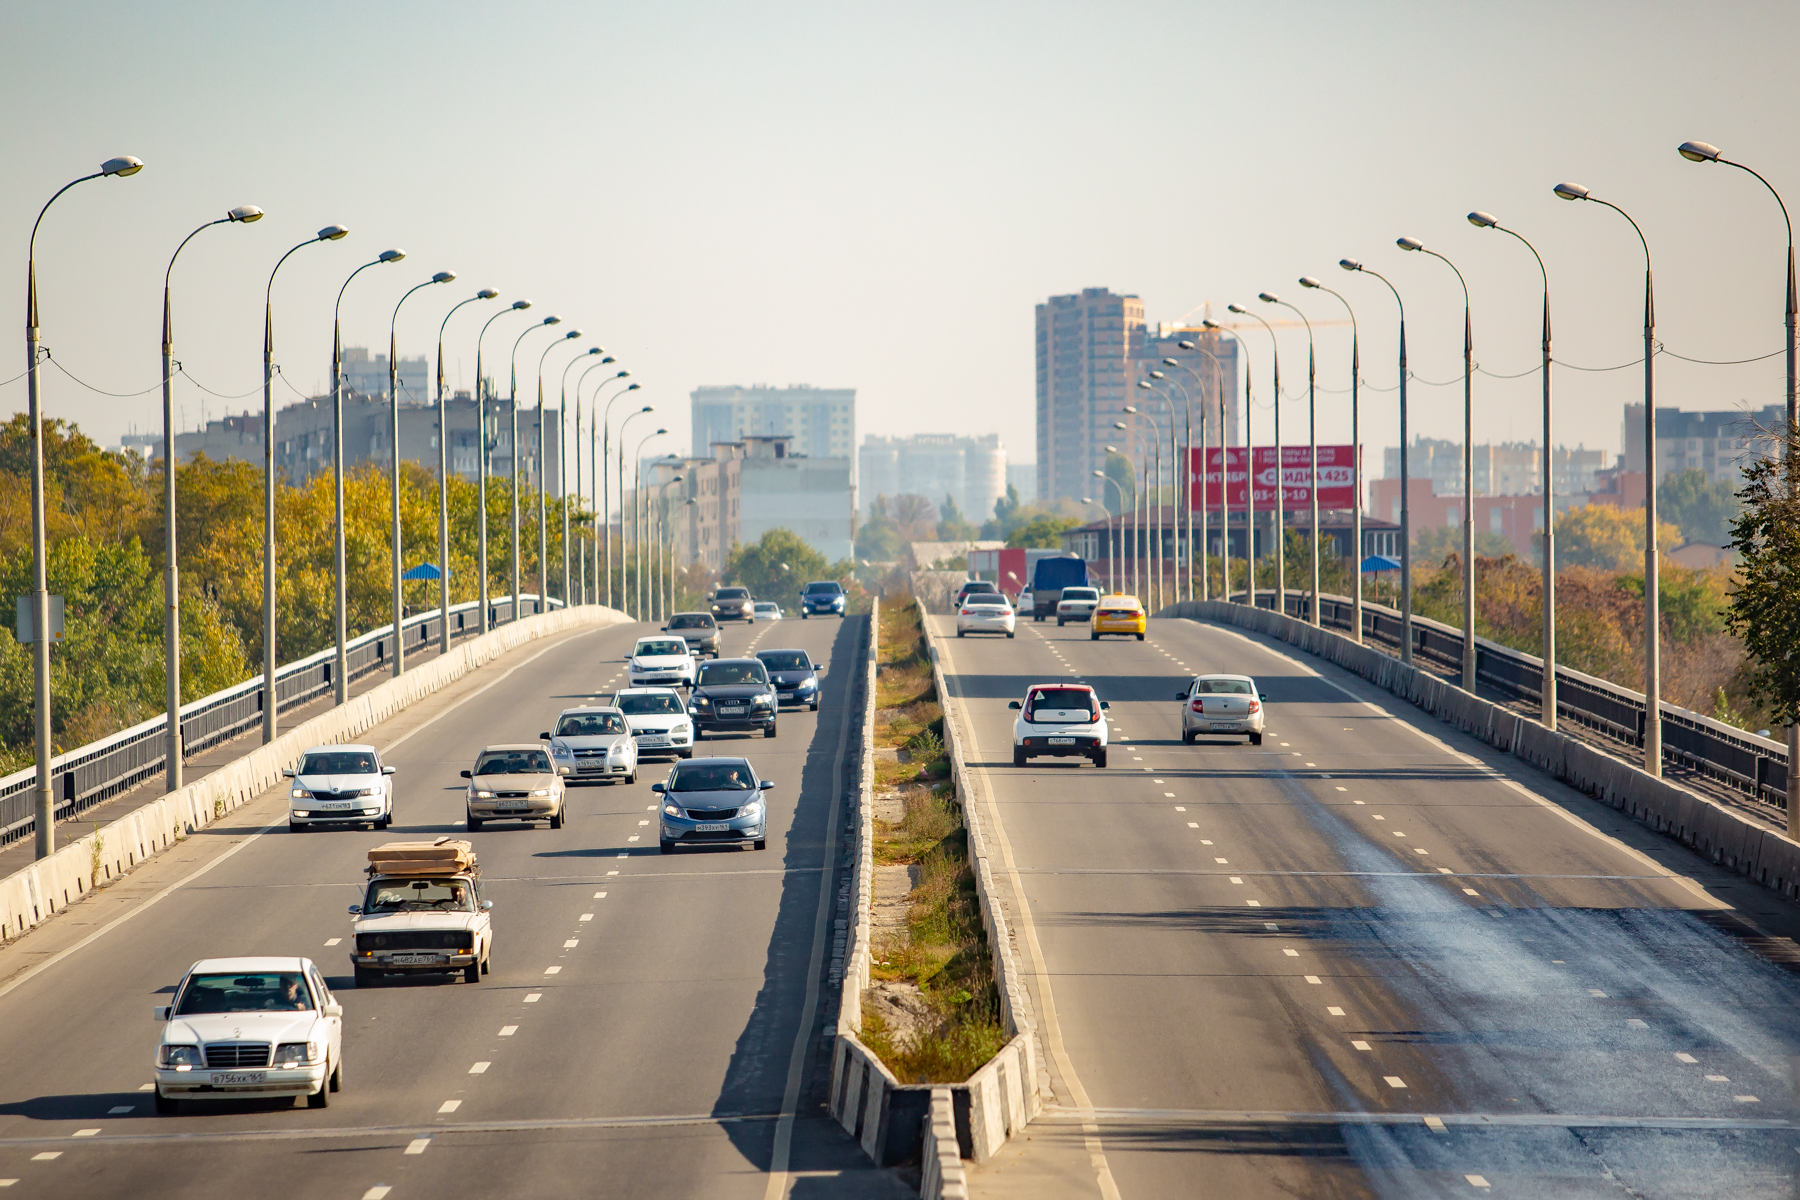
(1724, 836)
(30, 896)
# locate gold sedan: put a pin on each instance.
(1118, 614)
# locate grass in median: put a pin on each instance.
(944, 951)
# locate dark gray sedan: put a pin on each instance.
(711, 800)
(795, 676)
(733, 695)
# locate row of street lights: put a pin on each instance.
(39, 604)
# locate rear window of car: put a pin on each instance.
(712, 777)
(1080, 594)
(339, 762)
(1116, 609)
(692, 621)
(649, 704)
(1223, 687)
(729, 674)
(823, 589)
(985, 599)
(651, 647)
(1060, 704)
(732, 594)
(513, 762)
(253, 991)
(785, 660)
(590, 724)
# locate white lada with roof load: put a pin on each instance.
(250, 1029)
(661, 662)
(422, 913)
(1077, 604)
(658, 718)
(1221, 704)
(1060, 720)
(595, 742)
(340, 785)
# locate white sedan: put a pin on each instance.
(1060, 720)
(661, 662)
(766, 610)
(658, 719)
(1225, 704)
(250, 1028)
(340, 785)
(985, 612)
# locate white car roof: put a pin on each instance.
(595, 708)
(1218, 675)
(664, 637)
(647, 691)
(331, 749)
(226, 965)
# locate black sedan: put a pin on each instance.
(733, 695)
(795, 675)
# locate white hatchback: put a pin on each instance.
(766, 610)
(1060, 720)
(1221, 704)
(340, 785)
(661, 662)
(250, 1028)
(659, 720)
(985, 612)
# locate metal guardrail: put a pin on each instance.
(1756, 766)
(101, 770)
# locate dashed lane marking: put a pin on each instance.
(449, 1106)
(417, 1145)
(480, 1068)
(1394, 1081)
(553, 970)
(534, 997)
(1359, 1045)
(508, 1030)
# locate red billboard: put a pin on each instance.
(1337, 477)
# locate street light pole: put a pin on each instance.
(1652, 601)
(1114, 551)
(243, 214)
(603, 516)
(394, 459)
(1356, 532)
(122, 167)
(562, 463)
(1280, 464)
(624, 569)
(1225, 478)
(482, 475)
(596, 470)
(330, 233)
(1406, 622)
(639, 514)
(543, 454)
(1547, 698)
(1187, 474)
(1183, 493)
(1137, 524)
(513, 403)
(1312, 438)
(444, 472)
(340, 675)
(1156, 521)
(1701, 152)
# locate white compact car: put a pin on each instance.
(985, 612)
(596, 743)
(1060, 720)
(661, 662)
(250, 1028)
(340, 785)
(1224, 704)
(659, 720)
(766, 610)
(1077, 604)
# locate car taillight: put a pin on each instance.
(1255, 706)
(1093, 715)
(963, 613)
(1199, 705)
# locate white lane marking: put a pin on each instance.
(1686, 1058)
(46, 1155)
(1394, 1081)
(587, 916)
(508, 1030)
(1637, 1023)
(1435, 1124)
(1335, 1011)
(1470, 892)
(1597, 992)
(1181, 808)
(1313, 979)
(1343, 789)
(634, 837)
(7, 1182)
(609, 873)
(479, 1068)
(1420, 850)
(1218, 860)
(1718, 1079)
(1291, 953)
(378, 1192)
(571, 943)
(1236, 879)
(1270, 925)
(1359, 1045)
(85, 1133)
(1204, 841)
(1397, 833)
(146, 1087)
(1193, 824)
(602, 895)
(120, 1108)
(553, 970)
(1312, 764)
(1156, 781)
(417, 1145)
(1254, 903)
(449, 1106)
(534, 997)
(333, 941)
(1746, 1099)
(1359, 802)
(1477, 1181)
(643, 822)
(1378, 816)
(1170, 795)
(1447, 871)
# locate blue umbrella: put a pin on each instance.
(1380, 562)
(430, 571)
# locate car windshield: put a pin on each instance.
(1080, 594)
(419, 895)
(732, 594)
(1061, 704)
(1223, 687)
(650, 648)
(513, 762)
(590, 724)
(823, 589)
(647, 705)
(786, 660)
(253, 991)
(691, 621)
(979, 585)
(728, 674)
(712, 777)
(339, 762)
(985, 599)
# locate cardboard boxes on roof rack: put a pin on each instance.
(445, 856)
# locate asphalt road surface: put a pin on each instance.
(648, 1021)
(1368, 958)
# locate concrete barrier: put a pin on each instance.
(941, 1171)
(1726, 837)
(32, 895)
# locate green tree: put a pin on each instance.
(952, 526)
(775, 567)
(876, 539)
(1764, 609)
(997, 527)
(1702, 510)
(1040, 533)
(1120, 470)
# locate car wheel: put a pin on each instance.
(474, 823)
(959, 633)
(294, 827)
(166, 1106)
(1187, 737)
(632, 778)
(365, 979)
(1093, 637)
(1059, 623)
(1256, 739)
(762, 843)
(487, 965)
(1100, 757)
(1140, 637)
(1009, 633)
(320, 1098)
(556, 819)
(337, 1077)
(666, 846)
(803, 616)
(1018, 757)
(684, 754)
(472, 973)
(770, 731)
(815, 706)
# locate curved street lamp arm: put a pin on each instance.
(31, 246)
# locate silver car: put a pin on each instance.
(1221, 704)
(516, 782)
(711, 800)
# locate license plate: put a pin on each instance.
(712, 827)
(416, 960)
(238, 1078)
(731, 712)
(336, 805)
(653, 739)
(1224, 726)
(1062, 741)
(513, 808)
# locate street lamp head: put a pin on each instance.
(647, 407)
(334, 233)
(659, 433)
(122, 166)
(1268, 297)
(553, 319)
(1176, 362)
(390, 256)
(1117, 425)
(608, 359)
(1209, 323)
(443, 277)
(1349, 264)
(1099, 474)
(622, 374)
(1157, 375)
(571, 335)
(1130, 408)
(521, 305)
(598, 350)
(1237, 308)
(1087, 499)
(1571, 191)
(487, 294)
(634, 387)
(1409, 243)
(1483, 220)
(244, 214)
(1698, 152)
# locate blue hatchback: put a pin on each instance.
(825, 598)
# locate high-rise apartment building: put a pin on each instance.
(819, 422)
(1092, 349)
(1718, 443)
(969, 470)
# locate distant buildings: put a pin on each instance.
(819, 422)
(1501, 469)
(1022, 478)
(747, 487)
(1718, 443)
(970, 470)
(1092, 348)
(367, 374)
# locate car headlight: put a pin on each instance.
(484, 795)
(374, 791)
(671, 810)
(764, 701)
(541, 792)
(681, 729)
(807, 685)
(702, 701)
(752, 809)
(301, 812)
(179, 1058)
(299, 794)
(295, 1054)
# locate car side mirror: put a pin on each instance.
(287, 772)
(544, 736)
(356, 910)
(658, 788)
(1105, 704)
(565, 770)
(1181, 695)
(161, 1011)
(487, 906)
(387, 770)
(465, 775)
(1014, 704)
(1261, 697)
(765, 785)
(332, 1009)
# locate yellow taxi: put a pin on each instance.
(1120, 614)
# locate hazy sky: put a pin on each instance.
(875, 196)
